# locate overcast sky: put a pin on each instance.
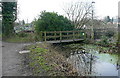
(30, 9)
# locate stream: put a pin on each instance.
(90, 61)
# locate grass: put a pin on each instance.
(38, 60)
(18, 38)
(47, 61)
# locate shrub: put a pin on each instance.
(50, 21)
(110, 34)
(104, 41)
(22, 34)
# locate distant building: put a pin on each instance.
(19, 27)
(115, 21)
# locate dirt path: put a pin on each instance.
(12, 61)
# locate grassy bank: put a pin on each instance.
(22, 37)
(46, 61)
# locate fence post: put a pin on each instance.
(55, 35)
(67, 36)
(60, 36)
(73, 35)
(78, 34)
(41, 35)
(45, 36)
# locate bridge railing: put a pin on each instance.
(62, 35)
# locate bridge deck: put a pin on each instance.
(63, 41)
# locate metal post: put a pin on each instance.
(91, 64)
(92, 30)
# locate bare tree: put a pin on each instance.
(79, 13)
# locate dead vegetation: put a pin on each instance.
(45, 60)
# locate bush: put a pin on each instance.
(104, 41)
(22, 34)
(110, 34)
(50, 21)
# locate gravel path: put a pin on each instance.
(12, 61)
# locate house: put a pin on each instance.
(19, 27)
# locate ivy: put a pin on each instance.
(9, 15)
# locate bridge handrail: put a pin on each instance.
(61, 34)
(60, 31)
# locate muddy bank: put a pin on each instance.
(46, 60)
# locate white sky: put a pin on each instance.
(29, 9)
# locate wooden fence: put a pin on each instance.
(62, 35)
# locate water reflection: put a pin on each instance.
(93, 63)
(105, 69)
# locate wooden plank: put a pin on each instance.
(63, 41)
(53, 32)
(52, 36)
(62, 31)
(75, 35)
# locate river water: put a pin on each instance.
(90, 62)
